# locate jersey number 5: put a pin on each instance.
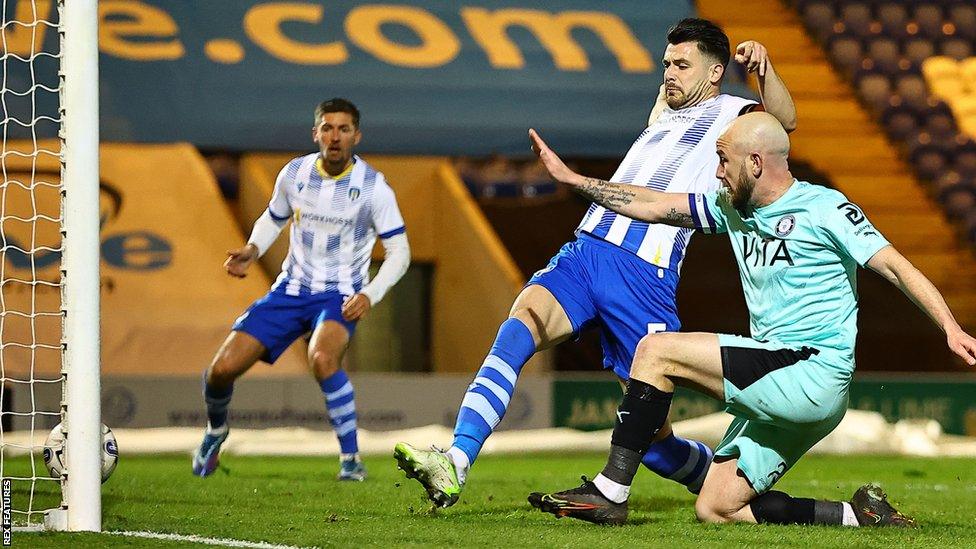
(656, 327)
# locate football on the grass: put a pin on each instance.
(54, 452)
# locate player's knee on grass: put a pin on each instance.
(714, 511)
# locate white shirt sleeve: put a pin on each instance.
(395, 264)
(387, 220)
(388, 223)
(279, 207)
(265, 232)
(267, 227)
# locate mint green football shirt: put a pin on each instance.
(798, 260)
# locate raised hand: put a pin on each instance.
(554, 165)
(753, 55)
(240, 259)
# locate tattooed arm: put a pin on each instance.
(636, 202)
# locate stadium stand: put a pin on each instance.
(843, 133)
(912, 66)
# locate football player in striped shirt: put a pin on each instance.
(620, 274)
(338, 205)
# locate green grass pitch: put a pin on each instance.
(295, 501)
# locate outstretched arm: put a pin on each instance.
(889, 263)
(775, 96)
(636, 202)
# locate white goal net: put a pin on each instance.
(49, 166)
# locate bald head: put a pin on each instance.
(752, 154)
(758, 132)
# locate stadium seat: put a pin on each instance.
(963, 16)
(847, 51)
(944, 77)
(885, 54)
(941, 126)
(957, 48)
(900, 122)
(970, 225)
(964, 108)
(909, 63)
(893, 19)
(911, 88)
(929, 162)
(967, 72)
(875, 89)
(958, 202)
(507, 189)
(819, 18)
(533, 190)
(965, 163)
(857, 18)
(917, 50)
(949, 180)
(929, 19)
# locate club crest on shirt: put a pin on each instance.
(785, 225)
(353, 193)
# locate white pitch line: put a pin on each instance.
(206, 541)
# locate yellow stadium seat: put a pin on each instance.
(940, 67)
(944, 77)
(967, 70)
(947, 89)
(964, 109)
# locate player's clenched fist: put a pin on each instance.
(240, 259)
(753, 55)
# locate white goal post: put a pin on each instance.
(80, 264)
(49, 262)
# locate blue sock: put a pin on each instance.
(488, 395)
(341, 404)
(217, 399)
(683, 461)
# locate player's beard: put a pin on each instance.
(676, 101)
(685, 99)
(742, 193)
(336, 161)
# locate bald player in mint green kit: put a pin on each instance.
(798, 247)
(798, 258)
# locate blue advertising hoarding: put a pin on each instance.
(430, 77)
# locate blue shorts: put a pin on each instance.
(278, 319)
(598, 283)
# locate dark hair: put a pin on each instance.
(711, 40)
(337, 104)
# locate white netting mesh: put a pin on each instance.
(30, 245)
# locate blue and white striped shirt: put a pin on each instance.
(335, 222)
(674, 154)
